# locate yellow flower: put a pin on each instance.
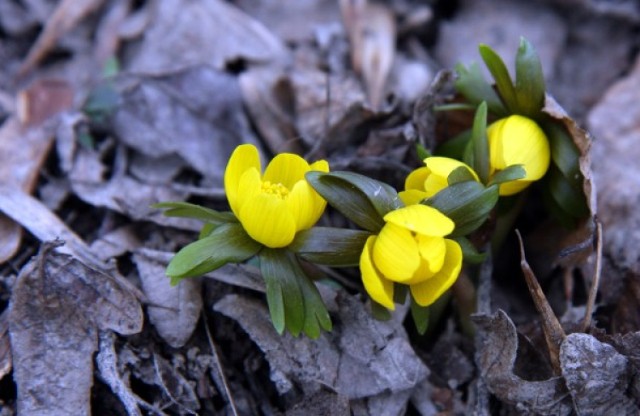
(427, 181)
(517, 140)
(272, 207)
(411, 249)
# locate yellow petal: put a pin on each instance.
(320, 166)
(435, 184)
(428, 291)
(432, 250)
(495, 137)
(443, 166)
(525, 143)
(378, 288)
(286, 169)
(395, 253)
(415, 180)
(421, 219)
(305, 205)
(518, 140)
(244, 157)
(249, 186)
(432, 253)
(513, 187)
(267, 220)
(412, 196)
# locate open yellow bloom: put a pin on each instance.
(517, 140)
(427, 181)
(272, 207)
(411, 249)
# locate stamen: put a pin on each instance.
(276, 189)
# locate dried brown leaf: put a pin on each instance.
(500, 24)
(5, 346)
(615, 122)
(177, 308)
(376, 43)
(174, 384)
(22, 153)
(368, 361)
(67, 15)
(57, 306)
(269, 97)
(196, 113)
(42, 100)
(496, 358)
(213, 33)
(597, 376)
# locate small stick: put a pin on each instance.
(595, 283)
(553, 332)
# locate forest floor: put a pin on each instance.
(107, 107)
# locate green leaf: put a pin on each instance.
(206, 230)
(459, 174)
(472, 85)
(422, 152)
(420, 315)
(500, 74)
(400, 293)
(530, 86)
(101, 102)
(511, 173)
(468, 204)
(228, 243)
(187, 210)
(336, 247)
(294, 300)
(361, 199)
(379, 312)
(316, 315)
(455, 147)
(570, 199)
(469, 252)
(564, 153)
(284, 296)
(480, 143)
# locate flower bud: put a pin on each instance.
(517, 140)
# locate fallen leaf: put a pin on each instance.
(597, 376)
(368, 361)
(107, 362)
(22, 153)
(121, 192)
(270, 101)
(57, 306)
(178, 389)
(196, 113)
(5, 346)
(500, 24)
(177, 308)
(67, 15)
(615, 122)
(43, 99)
(293, 21)
(372, 35)
(214, 33)
(495, 359)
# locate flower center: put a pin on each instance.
(276, 189)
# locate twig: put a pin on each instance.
(586, 323)
(553, 332)
(483, 306)
(221, 379)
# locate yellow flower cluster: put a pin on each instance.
(411, 247)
